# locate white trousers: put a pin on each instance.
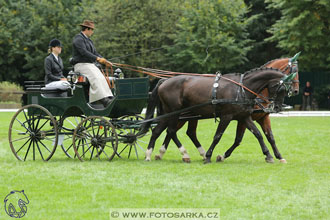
(99, 87)
(62, 85)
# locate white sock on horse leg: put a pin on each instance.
(184, 152)
(162, 151)
(148, 154)
(201, 151)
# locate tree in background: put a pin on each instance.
(134, 32)
(26, 29)
(180, 35)
(261, 19)
(304, 26)
(211, 35)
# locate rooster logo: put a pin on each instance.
(15, 204)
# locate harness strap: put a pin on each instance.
(254, 93)
(213, 102)
(214, 92)
(240, 88)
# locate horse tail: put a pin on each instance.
(154, 102)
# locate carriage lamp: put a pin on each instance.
(119, 74)
(72, 77)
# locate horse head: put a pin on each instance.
(280, 89)
(287, 66)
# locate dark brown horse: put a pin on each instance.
(185, 92)
(287, 66)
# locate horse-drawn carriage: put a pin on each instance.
(89, 132)
(54, 117)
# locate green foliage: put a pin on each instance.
(27, 27)
(321, 96)
(261, 19)
(210, 36)
(304, 26)
(131, 31)
(180, 35)
(10, 92)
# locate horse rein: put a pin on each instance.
(244, 87)
(268, 101)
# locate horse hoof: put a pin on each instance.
(157, 157)
(207, 160)
(283, 161)
(220, 158)
(269, 160)
(186, 160)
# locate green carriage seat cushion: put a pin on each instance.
(53, 92)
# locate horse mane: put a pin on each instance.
(262, 68)
(273, 61)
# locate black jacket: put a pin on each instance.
(83, 50)
(53, 69)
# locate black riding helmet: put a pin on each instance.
(55, 43)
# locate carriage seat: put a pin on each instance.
(50, 92)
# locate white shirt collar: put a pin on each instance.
(55, 56)
(85, 35)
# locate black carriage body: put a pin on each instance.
(131, 96)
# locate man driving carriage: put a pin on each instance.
(84, 57)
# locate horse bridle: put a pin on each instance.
(288, 89)
(293, 68)
(269, 100)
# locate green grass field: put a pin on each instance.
(242, 187)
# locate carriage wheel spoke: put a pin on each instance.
(84, 152)
(92, 128)
(136, 153)
(42, 125)
(23, 145)
(45, 146)
(68, 148)
(129, 152)
(20, 139)
(98, 130)
(22, 124)
(87, 133)
(102, 149)
(98, 154)
(123, 149)
(27, 120)
(140, 146)
(68, 138)
(73, 125)
(92, 153)
(34, 150)
(75, 155)
(38, 120)
(27, 152)
(40, 151)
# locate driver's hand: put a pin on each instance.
(102, 60)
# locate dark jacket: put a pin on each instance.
(83, 50)
(309, 90)
(53, 69)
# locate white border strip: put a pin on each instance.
(301, 113)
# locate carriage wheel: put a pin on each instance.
(95, 138)
(127, 129)
(33, 132)
(67, 126)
